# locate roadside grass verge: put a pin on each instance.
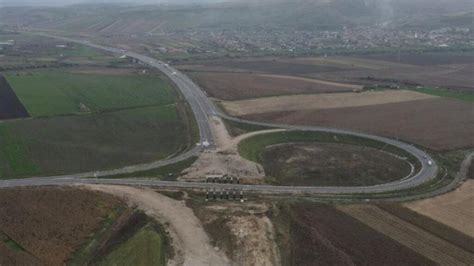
(239, 128)
(56, 92)
(168, 172)
(75, 144)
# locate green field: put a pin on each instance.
(146, 247)
(72, 144)
(56, 92)
(460, 95)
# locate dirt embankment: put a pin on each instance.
(191, 244)
(243, 231)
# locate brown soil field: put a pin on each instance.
(434, 227)
(318, 234)
(330, 164)
(273, 66)
(425, 59)
(320, 101)
(43, 225)
(410, 235)
(457, 76)
(233, 86)
(10, 105)
(352, 62)
(455, 209)
(440, 123)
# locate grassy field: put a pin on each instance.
(146, 247)
(56, 92)
(253, 147)
(330, 164)
(460, 95)
(70, 144)
(363, 166)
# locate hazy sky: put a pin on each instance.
(68, 2)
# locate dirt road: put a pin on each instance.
(191, 244)
(225, 159)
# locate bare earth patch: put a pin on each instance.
(243, 231)
(190, 242)
(455, 209)
(320, 101)
(225, 159)
(255, 238)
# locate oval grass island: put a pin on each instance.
(310, 158)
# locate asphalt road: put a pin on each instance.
(203, 108)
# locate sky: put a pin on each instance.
(68, 2)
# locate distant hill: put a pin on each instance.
(284, 14)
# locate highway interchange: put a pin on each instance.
(203, 109)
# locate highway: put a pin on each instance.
(203, 108)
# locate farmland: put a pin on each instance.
(320, 101)
(310, 232)
(413, 121)
(31, 52)
(410, 235)
(453, 209)
(58, 92)
(10, 106)
(32, 232)
(69, 144)
(237, 86)
(425, 59)
(90, 115)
